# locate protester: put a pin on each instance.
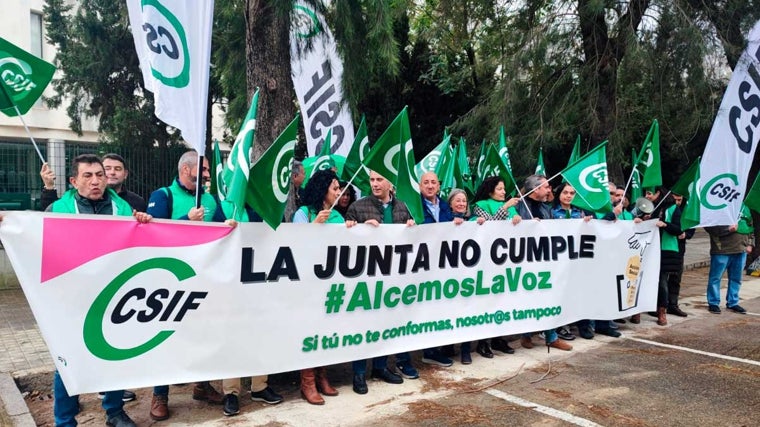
(729, 246)
(435, 211)
(318, 198)
(674, 278)
(381, 207)
(297, 176)
(90, 196)
(117, 173)
(178, 202)
(534, 206)
(491, 205)
(562, 209)
(669, 223)
(346, 199)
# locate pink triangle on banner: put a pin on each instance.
(96, 238)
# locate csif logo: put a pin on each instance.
(306, 23)
(281, 171)
(165, 37)
(593, 177)
(16, 74)
(161, 305)
(719, 191)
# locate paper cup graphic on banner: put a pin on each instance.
(165, 38)
(306, 22)
(594, 173)
(16, 76)
(719, 191)
(280, 172)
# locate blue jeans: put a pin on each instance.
(719, 263)
(66, 408)
(550, 336)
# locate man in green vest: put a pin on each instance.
(90, 195)
(177, 201)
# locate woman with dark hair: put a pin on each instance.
(490, 201)
(491, 204)
(348, 197)
(318, 198)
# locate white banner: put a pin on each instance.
(173, 43)
(317, 73)
(124, 305)
(732, 142)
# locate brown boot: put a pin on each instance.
(159, 408)
(323, 384)
(203, 391)
(309, 388)
(636, 319)
(560, 344)
(526, 342)
(661, 319)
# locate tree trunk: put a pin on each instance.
(268, 68)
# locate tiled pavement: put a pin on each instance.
(21, 345)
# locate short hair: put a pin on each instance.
(486, 188)
(114, 156)
(89, 159)
(317, 187)
(534, 181)
(455, 192)
(188, 158)
(296, 168)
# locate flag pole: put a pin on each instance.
(28, 132)
(350, 182)
(198, 180)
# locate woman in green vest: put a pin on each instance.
(319, 196)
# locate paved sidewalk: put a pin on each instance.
(23, 351)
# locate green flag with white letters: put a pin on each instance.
(234, 181)
(384, 156)
(540, 168)
(270, 177)
(353, 165)
(588, 175)
(649, 158)
(23, 78)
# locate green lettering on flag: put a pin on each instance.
(588, 175)
(270, 177)
(649, 158)
(235, 176)
(356, 155)
(23, 78)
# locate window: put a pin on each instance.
(36, 34)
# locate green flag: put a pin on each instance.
(576, 154)
(752, 200)
(23, 78)
(430, 161)
(324, 160)
(649, 158)
(384, 156)
(681, 187)
(588, 175)
(462, 173)
(504, 150)
(481, 162)
(270, 177)
(495, 167)
(690, 216)
(216, 177)
(356, 155)
(407, 185)
(636, 191)
(445, 168)
(234, 182)
(540, 168)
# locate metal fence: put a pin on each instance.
(20, 183)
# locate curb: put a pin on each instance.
(14, 404)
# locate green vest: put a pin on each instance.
(334, 218)
(669, 242)
(182, 202)
(68, 203)
(491, 206)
